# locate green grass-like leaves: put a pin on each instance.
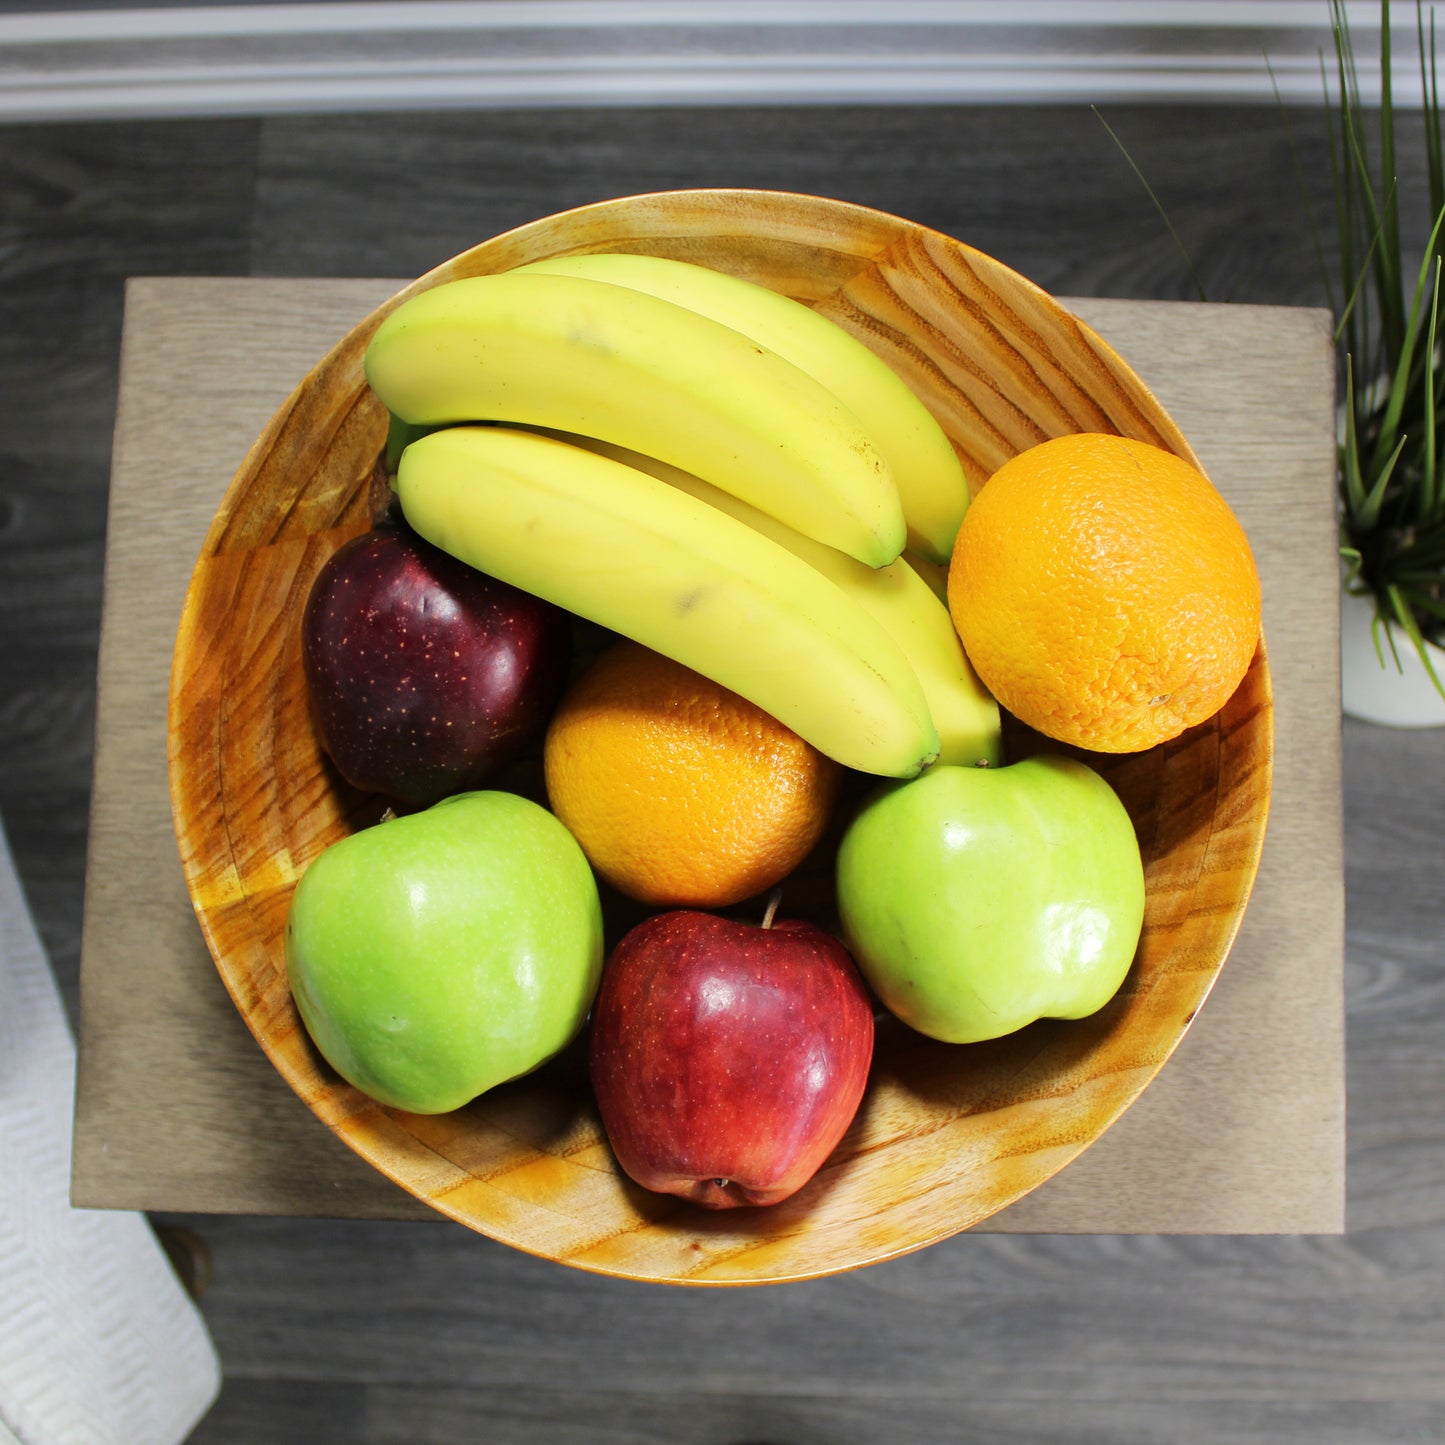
(1391, 461)
(1388, 340)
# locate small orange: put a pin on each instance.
(1105, 592)
(680, 792)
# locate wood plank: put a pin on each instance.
(978, 1320)
(140, 930)
(283, 1411)
(1274, 459)
(1042, 188)
(81, 208)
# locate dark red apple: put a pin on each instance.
(728, 1059)
(426, 675)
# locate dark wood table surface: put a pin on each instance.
(398, 1331)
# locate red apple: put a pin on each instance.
(426, 675)
(728, 1059)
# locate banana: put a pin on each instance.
(606, 361)
(898, 596)
(964, 710)
(925, 467)
(625, 550)
(934, 573)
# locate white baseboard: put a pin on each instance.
(275, 58)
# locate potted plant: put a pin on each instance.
(1389, 335)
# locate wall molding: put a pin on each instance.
(188, 60)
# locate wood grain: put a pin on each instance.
(946, 1137)
(172, 203)
(287, 1412)
(1042, 188)
(976, 1323)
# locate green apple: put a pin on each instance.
(440, 953)
(977, 900)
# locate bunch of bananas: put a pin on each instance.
(707, 467)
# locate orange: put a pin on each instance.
(1105, 592)
(680, 792)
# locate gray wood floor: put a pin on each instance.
(346, 1332)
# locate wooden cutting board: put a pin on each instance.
(178, 1110)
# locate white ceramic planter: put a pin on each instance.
(1398, 696)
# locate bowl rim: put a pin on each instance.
(370, 1146)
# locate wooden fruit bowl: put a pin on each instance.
(947, 1135)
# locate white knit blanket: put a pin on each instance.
(99, 1344)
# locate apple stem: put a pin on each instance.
(774, 898)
